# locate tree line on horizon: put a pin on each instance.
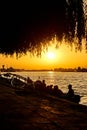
(78, 69)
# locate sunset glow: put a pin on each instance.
(62, 57)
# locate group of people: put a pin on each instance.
(41, 86)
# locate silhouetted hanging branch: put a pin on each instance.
(76, 22)
(28, 26)
(85, 11)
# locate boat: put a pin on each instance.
(76, 98)
(12, 80)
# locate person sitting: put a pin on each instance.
(57, 92)
(70, 92)
(43, 85)
(38, 85)
(49, 88)
(29, 84)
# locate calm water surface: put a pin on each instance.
(62, 79)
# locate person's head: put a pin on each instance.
(69, 86)
(43, 81)
(56, 87)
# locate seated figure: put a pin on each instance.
(57, 91)
(70, 92)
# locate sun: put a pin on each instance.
(50, 55)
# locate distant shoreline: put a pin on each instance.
(41, 70)
(78, 69)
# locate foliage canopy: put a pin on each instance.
(28, 26)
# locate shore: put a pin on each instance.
(39, 112)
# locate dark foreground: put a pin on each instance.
(39, 112)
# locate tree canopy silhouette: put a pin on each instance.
(27, 26)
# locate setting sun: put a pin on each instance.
(50, 55)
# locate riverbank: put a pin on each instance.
(42, 112)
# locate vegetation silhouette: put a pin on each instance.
(28, 26)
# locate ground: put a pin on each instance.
(39, 112)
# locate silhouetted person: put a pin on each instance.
(71, 96)
(43, 85)
(57, 91)
(49, 89)
(29, 84)
(70, 92)
(28, 80)
(38, 85)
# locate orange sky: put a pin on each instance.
(54, 58)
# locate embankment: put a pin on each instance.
(39, 112)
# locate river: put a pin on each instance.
(62, 79)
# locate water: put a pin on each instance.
(62, 79)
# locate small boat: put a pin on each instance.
(12, 80)
(75, 98)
